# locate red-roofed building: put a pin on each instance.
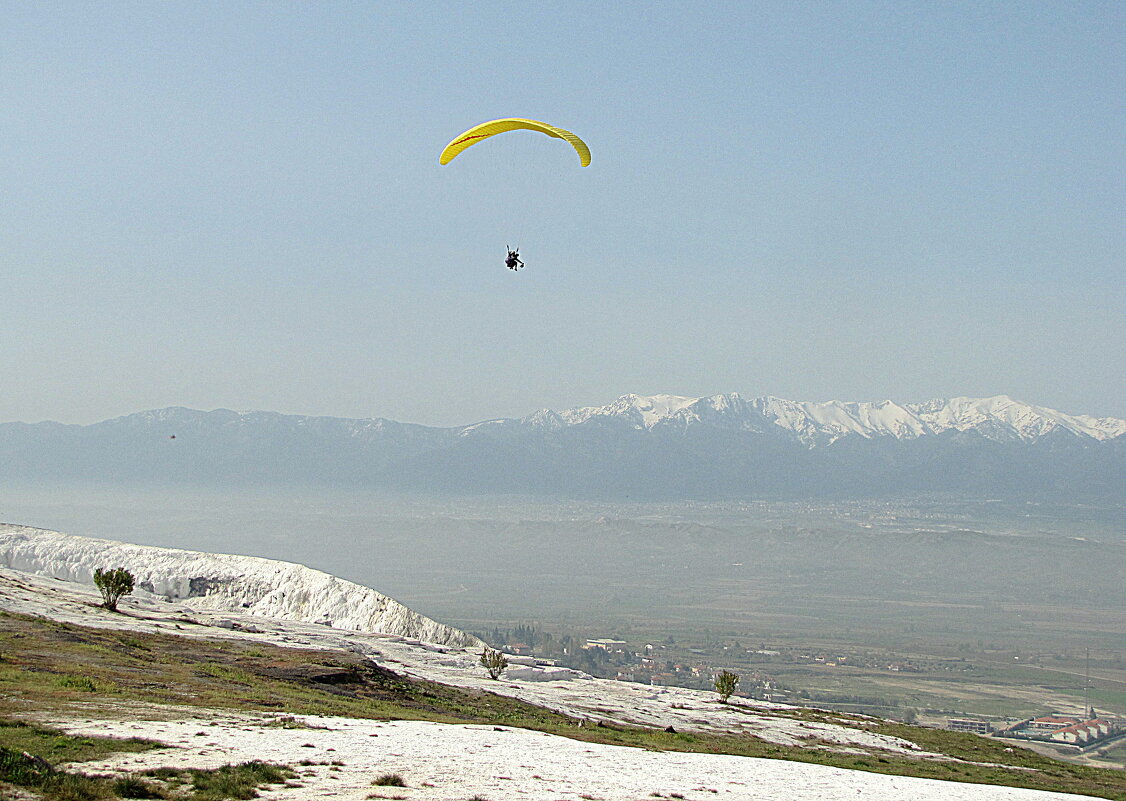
(1085, 732)
(1051, 722)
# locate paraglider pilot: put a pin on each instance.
(513, 261)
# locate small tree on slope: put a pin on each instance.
(113, 584)
(494, 662)
(725, 682)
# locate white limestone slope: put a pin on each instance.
(449, 762)
(244, 584)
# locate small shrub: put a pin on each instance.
(77, 787)
(113, 584)
(725, 683)
(165, 774)
(237, 781)
(133, 787)
(494, 662)
(286, 722)
(390, 780)
(78, 683)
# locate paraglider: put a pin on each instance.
(485, 130)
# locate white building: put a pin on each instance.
(607, 645)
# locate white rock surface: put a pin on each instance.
(442, 762)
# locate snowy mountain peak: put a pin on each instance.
(999, 417)
(644, 411)
(1002, 414)
(545, 419)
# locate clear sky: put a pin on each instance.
(236, 204)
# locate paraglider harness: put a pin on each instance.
(512, 261)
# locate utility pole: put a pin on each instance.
(1087, 688)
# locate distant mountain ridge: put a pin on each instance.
(665, 446)
(998, 417)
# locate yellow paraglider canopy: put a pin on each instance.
(494, 127)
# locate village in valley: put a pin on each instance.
(1070, 730)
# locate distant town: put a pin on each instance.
(668, 663)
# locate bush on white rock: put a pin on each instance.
(244, 584)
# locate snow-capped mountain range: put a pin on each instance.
(998, 417)
(653, 446)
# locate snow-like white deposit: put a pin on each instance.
(643, 410)
(247, 584)
(998, 417)
(442, 762)
(1027, 421)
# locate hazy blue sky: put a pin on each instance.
(239, 205)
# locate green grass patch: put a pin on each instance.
(226, 672)
(237, 781)
(1115, 753)
(22, 770)
(86, 684)
(34, 773)
(55, 746)
(29, 753)
(136, 787)
(1107, 698)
